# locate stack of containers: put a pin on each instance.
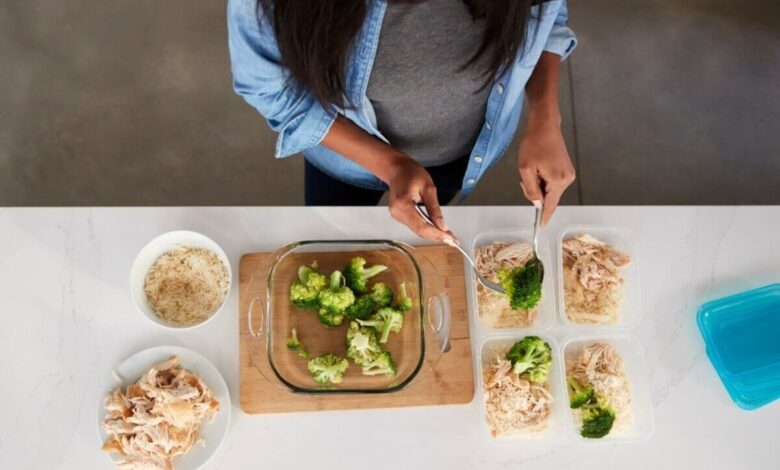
(566, 338)
(741, 337)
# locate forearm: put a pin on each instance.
(545, 167)
(349, 140)
(542, 92)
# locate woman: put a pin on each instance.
(418, 98)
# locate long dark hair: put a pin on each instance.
(314, 39)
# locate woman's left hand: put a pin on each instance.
(544, 164)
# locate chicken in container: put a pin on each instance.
(507, 263)
(516, 386)
(599, 392)
(592, 285)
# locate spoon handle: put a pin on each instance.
(537, 228)
(423, 213)
(485, 282)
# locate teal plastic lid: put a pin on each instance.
(742, 337)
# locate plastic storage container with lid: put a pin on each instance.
(741, 337)
(416, 349)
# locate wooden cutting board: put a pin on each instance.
(450, 383)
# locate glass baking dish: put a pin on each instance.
(271, 316)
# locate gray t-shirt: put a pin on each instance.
(425, 103)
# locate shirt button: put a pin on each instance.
(471, 181)
(478, 159)
(500, 89)
(487, 124)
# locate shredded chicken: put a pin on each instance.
(157, 418)
(599, 365)
(493, 307)
(513, 404)
(592, 285)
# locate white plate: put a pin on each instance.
(213, 433)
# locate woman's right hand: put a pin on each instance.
(411, 184)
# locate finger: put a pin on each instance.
(531, 184)
(431, 201)
(551, 200)
(405, 213)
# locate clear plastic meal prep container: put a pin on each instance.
(642, 425)
(556, 426)
(270, 315)
(545, 315)
(630, 311)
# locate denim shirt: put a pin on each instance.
(302, 122)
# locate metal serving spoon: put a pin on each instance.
(483, 280)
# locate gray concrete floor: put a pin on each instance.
(129, 103)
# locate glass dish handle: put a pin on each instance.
(440, 303)
(249, 318)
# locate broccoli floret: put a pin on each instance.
(328, 369)
(522, 285)
(578, 394)
(363, 307)
(531, 356)
(305, 292)
(381, 294)
(330, 319)
(309, 276)
(357, 275)
(303, 296)
(404, 301)
(362, 345)
(294, 345)
(597, 419)
(384, 321)
(334, 300)
(382, 365)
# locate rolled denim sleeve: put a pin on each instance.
(264, 83)
(562, 40)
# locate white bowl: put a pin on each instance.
(158, 247)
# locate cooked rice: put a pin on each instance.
(186, 286)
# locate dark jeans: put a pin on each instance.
(321, 189)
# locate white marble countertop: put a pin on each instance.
(68, 320)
